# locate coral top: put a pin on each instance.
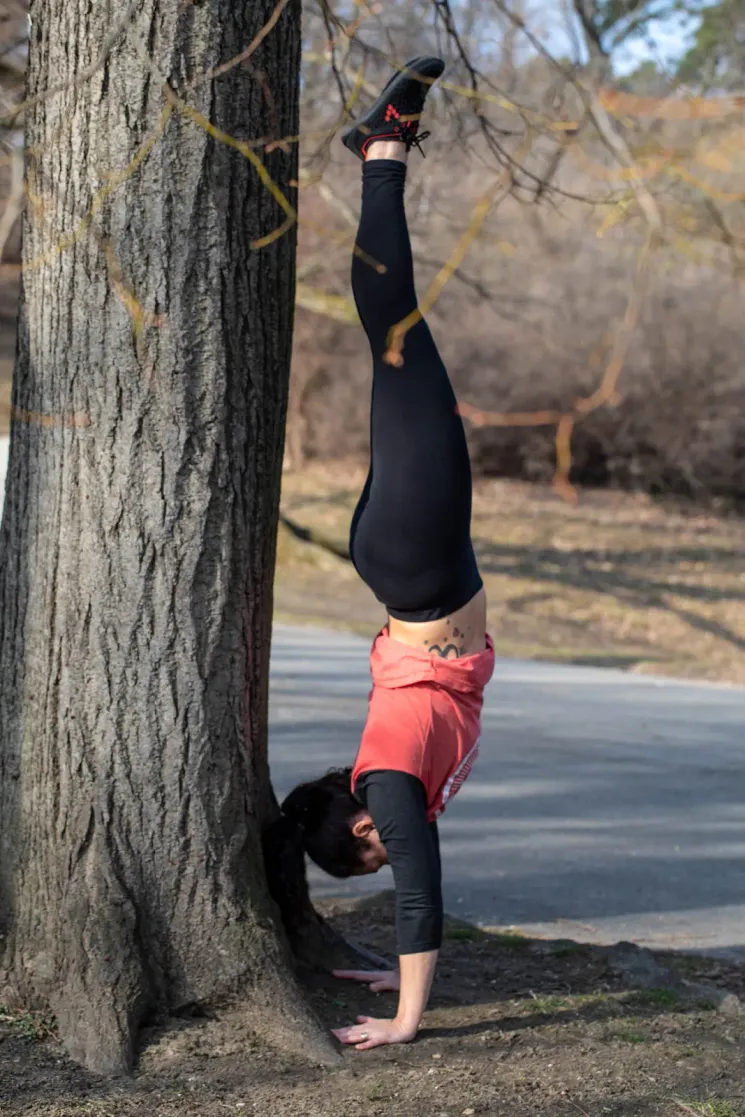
(424, 716)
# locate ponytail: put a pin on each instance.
(321, 814)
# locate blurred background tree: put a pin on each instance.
(716, 60)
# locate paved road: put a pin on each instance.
(603, 806)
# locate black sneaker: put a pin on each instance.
(398, 110)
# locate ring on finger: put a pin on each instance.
(363, 1036)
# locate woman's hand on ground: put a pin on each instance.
(379, 981)
(368, 1033)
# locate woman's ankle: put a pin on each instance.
(387, 149)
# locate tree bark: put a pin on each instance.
(137, 544)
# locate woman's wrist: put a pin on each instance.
(417, 972)
(408, 1028)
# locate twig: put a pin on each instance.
(312, 535)
(607, 388)
(583, 1112)
(377, 960)
(492, 197)
(258, 39)
(534, 41)
(480, 418)
(337, 307)
(330, 196)
(329, 19)
(590, 28)
(617, 145)
(217, 134)
(444, 11)
(727, 236)
(612, 139)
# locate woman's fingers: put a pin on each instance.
(371, 1041)
(354, 1034)
(347, 1035)
(380, 981)
(358, 975)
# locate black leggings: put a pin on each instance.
(411, 533)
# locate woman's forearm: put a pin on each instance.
(417, 973)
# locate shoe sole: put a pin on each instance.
(379, 104)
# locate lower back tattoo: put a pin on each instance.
(450, 651)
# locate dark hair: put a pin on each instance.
(324, 810)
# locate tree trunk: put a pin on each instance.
(137, 545)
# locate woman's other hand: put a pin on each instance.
(378, 981)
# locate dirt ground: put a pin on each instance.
(516, 1028)
(618, 580)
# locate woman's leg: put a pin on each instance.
(410, 537)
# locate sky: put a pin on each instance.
(664, 45)
(664, 42)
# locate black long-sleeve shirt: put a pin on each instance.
(397, 803)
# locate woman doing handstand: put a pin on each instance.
(411, 543)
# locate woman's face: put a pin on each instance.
(373, 856)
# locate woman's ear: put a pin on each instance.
(363, 826)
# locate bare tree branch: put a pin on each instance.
(318, 538)
(617, 145)
(587, 11)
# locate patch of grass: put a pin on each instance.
(567, 949)
(458, 931)
(612, 1002)
(715, 1107)
(662, 998)
(548, 1005)
(33, 1025)
(376, 1091)
(463, 932)
(630, 1036)
(687, 964)
(510, 940)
